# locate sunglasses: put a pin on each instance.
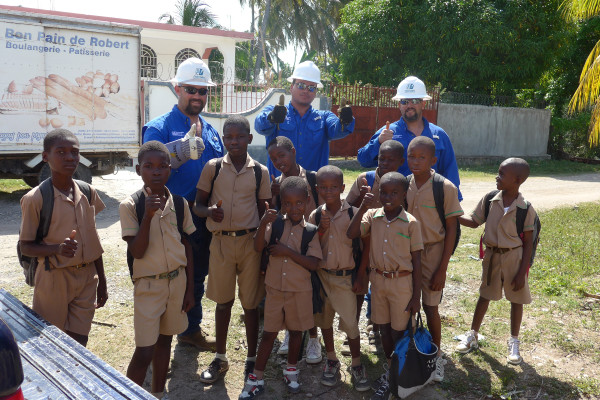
(410, 101)
(302, 86)
(192, 90)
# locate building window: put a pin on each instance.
(148, 62)
(184, 55)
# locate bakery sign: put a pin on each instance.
(77, 78)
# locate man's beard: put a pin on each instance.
(194, 108)
(414, 117)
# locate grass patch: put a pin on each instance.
(12, 189)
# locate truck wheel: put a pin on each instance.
(82, 173)
(32, 181)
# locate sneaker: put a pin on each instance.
(359, 378)
(283, 348)
(382, 392)
(514, 357)
(438, 374)
(253, 388)
(216, 370)
(290, 378)
(313, 351)
(382, 378)
(346, 348)
(469, 343)
(248, 369)
(202, 340)
(331, 373)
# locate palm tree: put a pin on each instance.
(588, 92)
(191, 13)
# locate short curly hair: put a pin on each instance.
(57, 134)
(293, 183)
(152, 145)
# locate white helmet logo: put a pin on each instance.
(199, 72)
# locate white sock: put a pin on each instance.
(222, 357)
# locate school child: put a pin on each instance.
(391, 158)
(438, 237)
(336, 270)
(69, 281)
(288, 285)
(283, 156)
(162, 271)
(395, 263)
(507, 256)
(231, 196)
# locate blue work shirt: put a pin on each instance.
(446, 161)
(310, 134)
(175, 125)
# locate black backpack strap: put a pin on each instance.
(258, 177)
(438, 196)
(217, 170)
(85, 188)
(278, 198)
(139, 202)
(318, 215)
(277, 229)
(521, 215)
(488, 201)
(47, 191)
(179, 204)
(307, 235)
(356, 250)
(311, 177)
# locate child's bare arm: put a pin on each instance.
(281, 250)
(519, 280)
(101, 292)
(354, 227)
(66, 249)
(188, 298)
(467, 220)
(138, 244)
(414, 305)
(269, 217)
(201, 209)
(438, 280)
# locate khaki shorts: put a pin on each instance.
(504, 269)
(340, 299)
(232, 257)
(288, 310)
(430, 262)
(157, 307)
(66, 297)
(389, 299)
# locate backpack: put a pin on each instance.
(356, 250)
(311, 177)
(30, 264)
(308, 233)
(520, 221)
(139, 200)
(438, 197)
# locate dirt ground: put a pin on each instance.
(544, 192)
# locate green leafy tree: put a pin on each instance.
(587, 94)
(191, 13)
(482, 46)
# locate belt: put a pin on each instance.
(339, 272)
(241, 232)
(495, 250)
(79, 266)
(165, 275)
(391, 274)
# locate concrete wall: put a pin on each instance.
(481, 131)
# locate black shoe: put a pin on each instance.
(216, 370)
(383, 392)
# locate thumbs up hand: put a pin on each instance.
(368, 201)
(325, 221)
(277, 116)
(216, 213)
(152, 203)
(274, 186)
(386, 134)
(364, 188)
(194, 141)
(345, 112)
(69, 246)
(270, 215)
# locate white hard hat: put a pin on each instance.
(411, 88)
(193, 71)
(307, 71)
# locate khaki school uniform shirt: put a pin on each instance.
(421, 204)
(238, 192)
(165, 252)
(67, 215)
(501, 228)
(391, 241)
(354, 192)
(283, 273)
(336, 247)
(312, 204)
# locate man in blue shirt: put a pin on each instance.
(412, 95)
(310, 130)
(191, 85)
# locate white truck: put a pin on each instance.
(77, 74)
